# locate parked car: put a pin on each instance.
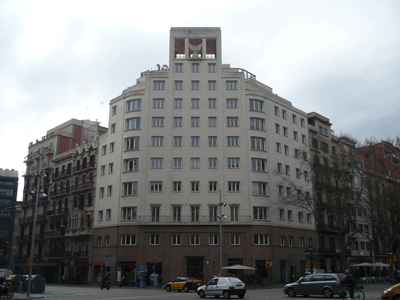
(392, 293)
(183, 283)
(223, 286)
(316, 284)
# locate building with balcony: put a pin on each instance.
(178, 139)
(63, 164)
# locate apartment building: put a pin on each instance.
(8, 198)
(63, 165)
(183, 138)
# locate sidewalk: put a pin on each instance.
(33, 296)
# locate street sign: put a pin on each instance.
(390, 253)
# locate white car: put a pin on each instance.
(223, 286)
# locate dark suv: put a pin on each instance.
(315, 284)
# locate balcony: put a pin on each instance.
(329, 251)
(79, 231)
(82, 168)
(53, 233)
(62, 174)
(57, 212)
(187, 220)
(82, 187)
(55, 254)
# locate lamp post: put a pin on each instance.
(220, 216)
(310, 255)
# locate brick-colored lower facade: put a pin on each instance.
(288, 261)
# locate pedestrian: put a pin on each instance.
(350, 282)
(63, 279)
(160, 279)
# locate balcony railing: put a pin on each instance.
(53, 233)
(82, 186)
(59, 253)
(84, 167)
(59, 211)
(187, 220)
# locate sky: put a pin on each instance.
(67, 59)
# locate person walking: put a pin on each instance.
(350, 282)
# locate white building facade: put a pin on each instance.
(177, 138)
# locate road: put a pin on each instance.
(372, 292)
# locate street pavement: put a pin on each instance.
(90, 292)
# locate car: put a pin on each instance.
(326, 284)
(223, 286)
(392, 293)
(183, 284)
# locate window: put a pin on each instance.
(109, 190)
(111, 168)
(279, 168)
(195, 67)
(195, 210)
(235, 239)
(157, 141)
(301, 242)
(177, 185)
(195, 141)
(232, 121)
(233, 141)
(157, 163)
(195, 121)
(104, 150)
(260, 213)
(176, 239)
(176, 211)
(212, 68)
(213, 213)
(294, 119)
(130, 188)
(99, 242)
(178, 68)
(277, 128)
(158, 121)
(257, 143)
(256, 105)
(195, 163)
(280, 190)
(287, 170)
(284, 114)
(108, 214)
(112, 146)
(257, 123)
(278, 147)
(195, 186)
(213, 239)
(231, 85)
(195, 85)
(302, 122)
(282, 239)
(195, 103)
(178, 85)
(234, 213)
(290, 215)
(134, 105)
(132, 143)
(300, 217)
(276, 109)
(154, 239)
(159, 85)
(233, 162)
(286, 149)
(305, 175)
(101, 192)
(155, 186)
(212, 121)
(231, 103)
(178, 121)
(113, 128)
(310, 242)
(212, 85)
(308, 218)
(298, 173)
(212, 103)
(233, 186)
(212, 141)
(258, 164)
(177, 141)
(290, 241)
(212, 162)
(155, 214)
(129, 213)
(177, 162)
(100, 215)
(295, 135)
(212, 186)
(296, 153)
(128, 240)
(303, 139)
(114, 110)
(259, 188)
(282, 214)
(261, 239)
(194, 239)
(133, 123)
(103, 170)
(178, 103)
(285, 131)
(158, 103)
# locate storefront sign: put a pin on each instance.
(154, 260)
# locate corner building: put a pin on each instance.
(178, 137)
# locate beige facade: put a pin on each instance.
(178, 137)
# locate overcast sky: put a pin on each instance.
(67, 59)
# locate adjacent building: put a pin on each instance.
(181, 139)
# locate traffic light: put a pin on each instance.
(309, 263)
(267, 265)
(35, 260)
(28, 263)
(390, 260)
(395, 258)
(215, 263)
(1, 251)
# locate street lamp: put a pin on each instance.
(310, 255)
(220, 216)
